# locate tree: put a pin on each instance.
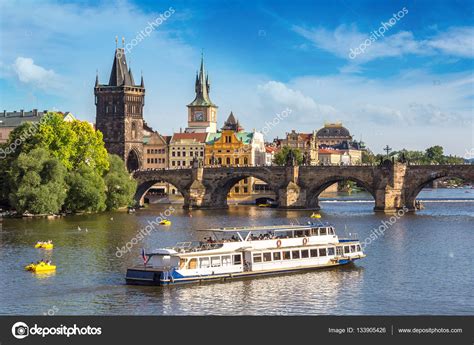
(120, 186)
(37, 183)
(434, 154)
(86, 191)
(281, 157)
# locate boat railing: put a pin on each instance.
(185, 247)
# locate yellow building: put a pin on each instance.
(234, 147)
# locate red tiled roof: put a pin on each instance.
(199, 137)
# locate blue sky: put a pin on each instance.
(411, 87)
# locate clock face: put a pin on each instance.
(198, 116)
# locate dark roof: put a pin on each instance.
(232, 124)
(202, 89)
(333, 130)
(120, 74)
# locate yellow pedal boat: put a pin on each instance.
(44, 245)
(315, 215)
(41, 267)
(165, 222)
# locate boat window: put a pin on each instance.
(204, 262)
(331, 231)
(192, 264)
(331, 251)
(346, 249)
(314, 231)
(257, 257)
(322, 251)
(267, 256)
(216, 261)
(358, 248)
(314, 253)
(182, 262)
(276, 256)
(237, 259)
(339, 250)
(322, 231)
(305, 254)
(299, 233)
(226, 260)
(353, 249)
(295, 254)
(286, 256)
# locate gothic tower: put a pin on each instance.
(119, 112)
(202, 113)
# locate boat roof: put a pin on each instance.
(267, 228)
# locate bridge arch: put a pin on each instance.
(314, 190)
(219, 191)
(422, 180)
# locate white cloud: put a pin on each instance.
(29, 73)
(456, 41)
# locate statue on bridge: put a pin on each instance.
(291, 159)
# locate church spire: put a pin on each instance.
(202, 87)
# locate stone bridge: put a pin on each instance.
(391, 185)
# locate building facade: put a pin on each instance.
(184, 147)
(306, 143)
(119, 112)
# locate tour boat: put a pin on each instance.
(233, 253)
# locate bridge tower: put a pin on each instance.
(119, 112)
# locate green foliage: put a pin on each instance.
(120, 186)
(434, 154)
(37, 180)
(86, 191)
(281, 157)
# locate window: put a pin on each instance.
(173, 163)
(286, 255)
(295, 254)
(227, 160)
(182, 263)
(314, 253)
(305, 254)
(246, 189)
(339, 250)
(226, 261)
(215, 261)
(267, 256)
(184, 153)
(192, 264)
(257, 257)
(358, 248)
(148, 160)
(173, 154)
(179, 154)
(353, 249)
(237, 259)
(330, 251)
(236, 189)
(237, 161)
(276, 256)
(331, 231)
(204, 262)
(322, 231)
(314, 231)
(346, 249)
(322, 252)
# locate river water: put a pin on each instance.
(423, 264)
